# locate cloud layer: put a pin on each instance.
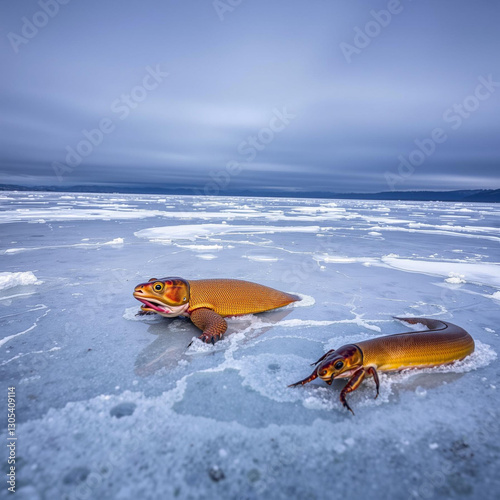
(188, 98)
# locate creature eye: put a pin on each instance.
(339, 365)
(158, 287)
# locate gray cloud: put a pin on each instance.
(352, 120)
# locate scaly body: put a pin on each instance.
(208, 302)
(443, 343)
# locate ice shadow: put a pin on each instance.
(174, 336)
(416, 382)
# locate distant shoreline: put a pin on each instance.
(469, 195)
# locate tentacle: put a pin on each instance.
(306, 380)
(352, 385)
(323, 357)
(373, 372)
(212, 324)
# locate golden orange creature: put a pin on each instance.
(208, 302)
(442, 344)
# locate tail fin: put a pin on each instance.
(432, 324)
(295, 298)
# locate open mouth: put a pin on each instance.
(154, 305)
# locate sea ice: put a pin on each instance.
(114, 405)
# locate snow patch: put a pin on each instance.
(117, 242)
(455, 278)
(206, 256)
(305, 301)
(336, 259)
(11, 280)
(261, 258)
(201, 248)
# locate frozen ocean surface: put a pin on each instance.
(111, 405)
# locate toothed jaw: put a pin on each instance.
(161, 309)
(330, 378)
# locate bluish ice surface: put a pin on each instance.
(110, 405)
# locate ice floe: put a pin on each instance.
(166, 234)
(485, 273)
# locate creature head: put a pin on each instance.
(168, 297)
(340, 363)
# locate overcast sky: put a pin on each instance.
(258, 94)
